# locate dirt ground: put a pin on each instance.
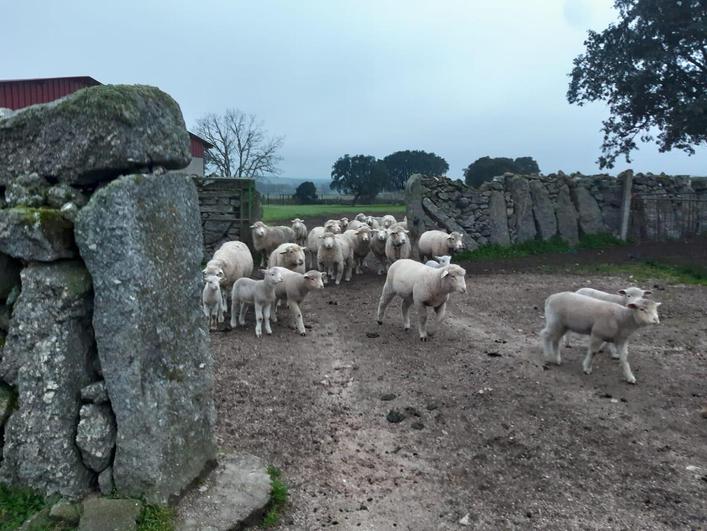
(490, 431)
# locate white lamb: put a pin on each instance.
(212, 301)
(288, 255)
(267, 238)
(361, 242)
(334, 257)
(439, 261)
(259, 293)
(600, 320)
(300, 230)
(422, 286)
(398, 245)
(294, 290)
(387, 221)
(230, 262)
(379, 237)
(438, 243)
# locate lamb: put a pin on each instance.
(334, 256)
(600, 320)
(230, 262)
(379, 237)
(422, 286)
(288, 255)
(212, 301)
(398, 245)
(438, 243)
(266, 238)
(313, 240)
(439, 261)
(387, 221)
(294, 289)
(259, 293)
(361, 243)
(300, 232)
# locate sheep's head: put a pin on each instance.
(631, 294)
(272, 275)
(313, 279)
(380, 234)
(454, 242)
(213, 282)
(344, 221)
(297, 222)
(293, 255)
(645, 311)
(398, 236)
(388, 221)
(328, 240)
(444, 260)
(259, 228)
(363, 233)
(361, 217)
(452, 277)
(333, 225)
(211, 271)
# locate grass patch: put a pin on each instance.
(650, 270)
(288, 212)
(536, 247)
(278, 498)
(18, 504)
(156, 518)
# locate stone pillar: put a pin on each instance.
(627, 178)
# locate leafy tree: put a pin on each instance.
(363, 176)
(486, 168)
(241, 145)
(651, 68)
(306, 193)
(402, 164)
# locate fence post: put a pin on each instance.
(627, 177)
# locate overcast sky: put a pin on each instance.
(462, 78)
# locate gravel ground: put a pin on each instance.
(488, 430)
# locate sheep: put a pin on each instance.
(361, 243)
(300, 232)
(230, 262)
(600, 320)
(335, 254)
(267, 238)
(623, 297)
(398, 245)
(288, 255)
(379, 237)
(356, 224)
(439, 261)
(313, 241)
(212, 301)
(294, 289)
(422, 286)
(333, 225)
(361, 217)
(438, 243)
(344, 222)
(387, 221)
(259, 293)
(373, 222)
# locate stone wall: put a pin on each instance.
(106, 374)
(516, 208)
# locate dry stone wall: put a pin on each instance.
(106, 375)
(516, 208)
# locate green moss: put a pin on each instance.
(278, 498)
(650, 270)
(17, 505)
(77, 281)
(156, 518)
(43, 215)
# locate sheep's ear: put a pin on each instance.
(203, 270)
(621, 292)
(444, 273)
(253, 226)
(658, 304)
(450, 237)
(220, 274)
(648, 293)
(264, 271)
(283, 252)
(406, 231)
(632, 305)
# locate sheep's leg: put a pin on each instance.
(386, 297)
(206, 310)
(567, 340)
(348, 270)
(551, 345)
(266, 318)
(258, 320)
(441, 311)
(297, 317)
(339, 272)
(421, 310)
(621, 347)
(234, 302)
(594, 344)
(381, 267)
(243, 311)
(273, 315)
(406, 313)
(614, 351)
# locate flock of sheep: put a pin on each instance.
(300, 261)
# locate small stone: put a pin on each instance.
(95, 392)
(493, 354)
(465, 520)
(64, 511)
(372, 335)
(37, 234)
(95, 436)
(395, 416)
(417, 425)
(431, 406)
(6, 402)
(388, 397)
(105, 481)
(704, 412)
(412, 412)
(106, 514)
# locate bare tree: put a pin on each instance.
(241, 145)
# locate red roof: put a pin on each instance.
(19, 93)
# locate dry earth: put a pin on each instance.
(489, 430)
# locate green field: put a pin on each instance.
(288, 212)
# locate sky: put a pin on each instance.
(461, 78)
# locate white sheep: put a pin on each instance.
(361, 242)
(300, 230)
(379, 237)
(600, 320)
(623, 297)
(212, 301)
(344, 222)
(397, 246)
(361, 217)
(267, 238)
(387, 221)
(438, 243)
(373, 222)
(230, 262)
(288, 255)
(334, 225)
(439, 261)
(422, 286)
(356, 224)
(294, 289)
(259, 293)
(334, 257)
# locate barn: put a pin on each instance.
(19, 93)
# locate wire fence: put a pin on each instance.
(332, 199)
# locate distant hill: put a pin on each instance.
(288, 185)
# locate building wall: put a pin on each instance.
(196, 167)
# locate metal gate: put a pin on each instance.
(662, 217)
